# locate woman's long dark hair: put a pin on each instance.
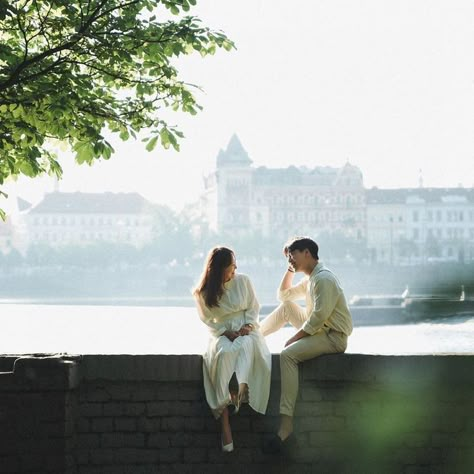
(211, 285)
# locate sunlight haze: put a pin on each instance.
(387, 86)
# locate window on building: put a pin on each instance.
(415, 216)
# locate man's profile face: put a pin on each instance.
(296, 258)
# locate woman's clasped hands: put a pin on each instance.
(245, 330)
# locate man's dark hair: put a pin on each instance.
(302, 243)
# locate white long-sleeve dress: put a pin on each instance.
(237, 306)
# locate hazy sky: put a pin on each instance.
(386, 85)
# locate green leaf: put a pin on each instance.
(124, 135)
(152, 144)
(165, 138)
(27, 169)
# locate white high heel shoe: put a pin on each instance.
(227, 448)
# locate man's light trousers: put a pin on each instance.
(324, 341)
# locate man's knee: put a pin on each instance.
(288, 307)
(288, 356)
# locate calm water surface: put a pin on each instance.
(102, 329)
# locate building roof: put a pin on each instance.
(318, 176)
(429, 195)
(92, 203)
(234, 155)
(23, 205)
(285, 176)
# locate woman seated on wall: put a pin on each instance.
(227, 304)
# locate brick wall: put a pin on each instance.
(38, 412)
(147, 414)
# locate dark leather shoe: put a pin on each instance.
(275, 445)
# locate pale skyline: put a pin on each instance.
(387, 86)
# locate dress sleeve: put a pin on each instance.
(208, 318)
(253, 307)
(297, 292)
(325, 294)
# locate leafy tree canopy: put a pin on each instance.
(72, 69)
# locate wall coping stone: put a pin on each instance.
(40, 372)
(414, 370)
(66, 371)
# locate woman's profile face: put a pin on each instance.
(229, 272)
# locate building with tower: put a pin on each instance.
(240, 197)
(397, 226)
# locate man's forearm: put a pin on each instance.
(287, 280)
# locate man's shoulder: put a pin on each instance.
(324, 273)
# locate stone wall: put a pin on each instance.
(38, 413)
(147, 414)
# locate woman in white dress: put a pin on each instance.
(227, 304)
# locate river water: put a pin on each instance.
(112, 329)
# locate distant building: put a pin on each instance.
(398, 226)
(239, 198)
(420, 225)
(7, 237)
(82, 218)
(12, 231)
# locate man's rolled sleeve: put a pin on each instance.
(296, 292)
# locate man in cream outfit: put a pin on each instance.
(323, 327)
